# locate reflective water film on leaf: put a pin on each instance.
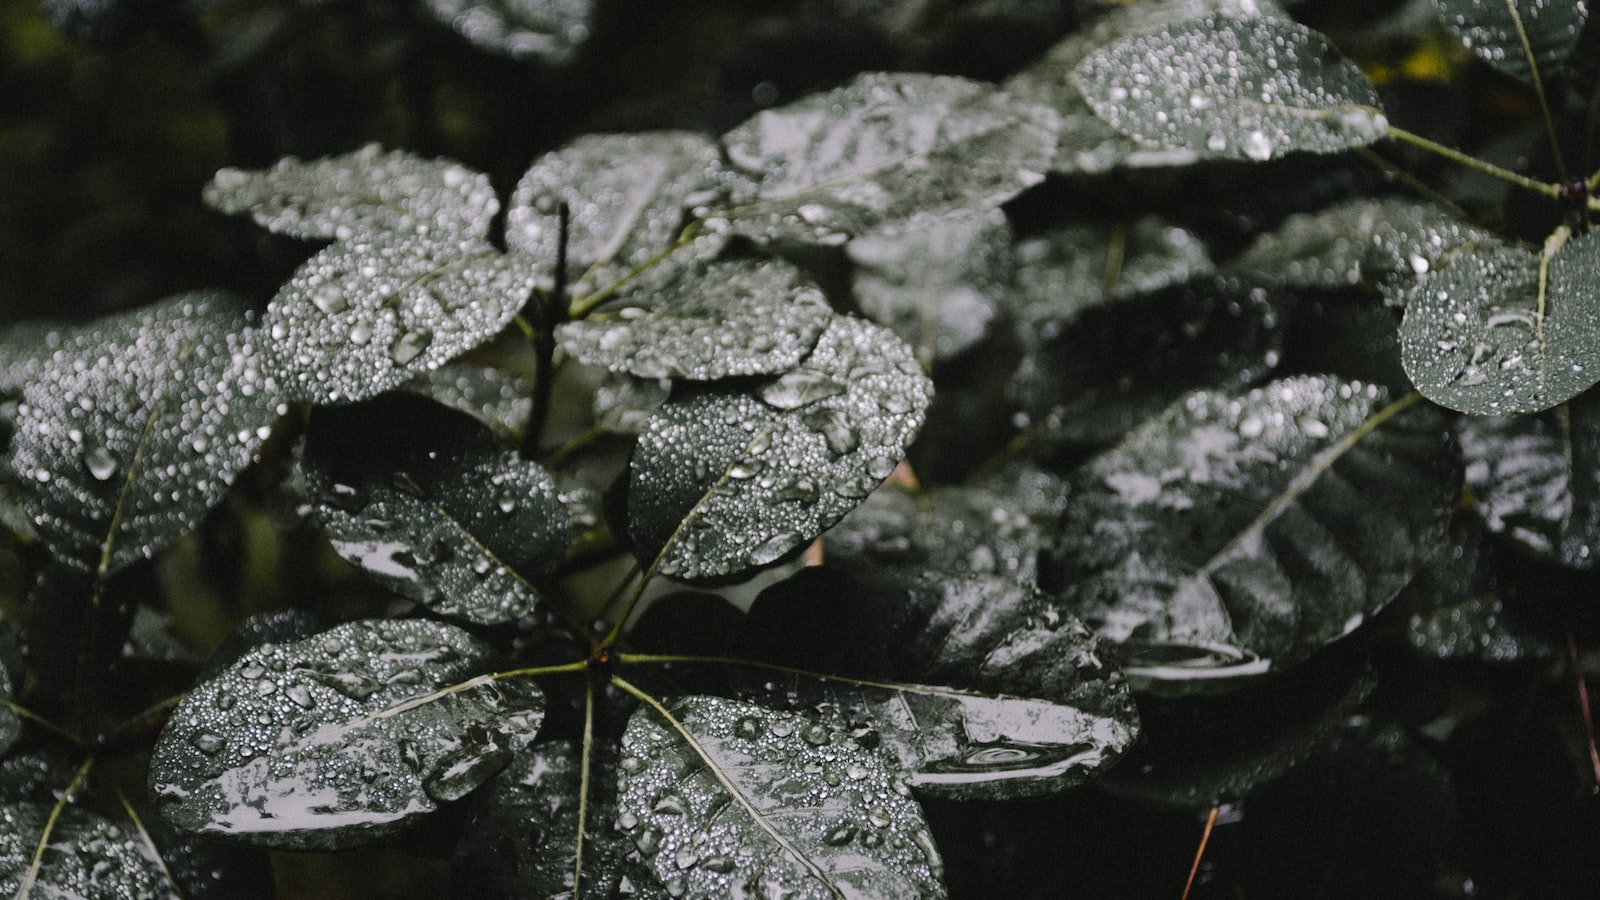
(1253, 89)
(744, 317)
(360, 194)
(456, 522)
(341, 738)
(1236, 533)
(725, 481)
(138, 425)
(804, 812)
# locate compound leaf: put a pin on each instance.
(341, 738)
(137, 427)
(427, 503)
(725, 480)
(748, 801)
(360, 194)
(1235, 534)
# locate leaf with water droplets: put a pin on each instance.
(86, 855)
(1236, 534)
(1385, 244)
(1537, 479)
(495, 397)
(367, 315)
(934, 278)
(1493, 30)
(1072, 268)
(427, 503)
(630, 197)
(1251, 88)
(547, 30)
(341, 738)
(742, 317)
(992, 693)
(960, 530)
(1495, 332)
(360, 194)
(729, 479)
(137, 425)
(752, 802)
(882, 147)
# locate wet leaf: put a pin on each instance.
(959, 530)
(1536, 479)
(494, 397)
(1072, 268)
(427, 503)
(744, 317)
(361, 195)
(549, 30)
(725, 480)
(25, 350)
(934, 279)
(86, 856)
(1236, 534)
(624, 404)
(804, 811)
(1252, 88)
(138, 425)
(883, 147)
(1003, 697)
(1490, 29)
(367, 315)
(1385, 244)
(341, 738)
(1489, 333)
(630, 196)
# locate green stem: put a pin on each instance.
(1553, 191)
(589, 302)
(50, 827)
(1538, 90)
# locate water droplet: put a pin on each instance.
(670, 804)
(100, 462)
(878, 817)
(409, 345)
(839, 835)
(815, 734)
(748, 728)
(507, 502)
(207, 742)
(836, 430)
(648, 840)
(330, 299)
(686, 856)
(1258, 146)
(361, 333)
(301, 695)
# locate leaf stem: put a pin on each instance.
(1553, 191)
(149, 843)
(552, 311)
(583, 787)
(589, 302)
(50, 827)
(41, 721)
(1538, 90)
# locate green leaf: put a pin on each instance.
(86, 855)
(549, 30)
(360, 194)
(1490, 29)
(427, 503)
(960, 530)
(744, 317)
(340, 739)
(1492, 332)
(630, 196)
(137, 427)
(752, 802)
(727, 479)
(1536, 480)
(991, 693)
(934, 279)
(883, 147)
(367, 315)
(1232, 88)
(1236, 534)
(1072, 268)
(497, 398)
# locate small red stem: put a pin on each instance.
(1200, 851)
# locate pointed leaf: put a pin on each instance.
(959, 530)
(427, 503)
(548, 30)
(882, 147)
(1030, 708)
(360, 194)
(1231, 535)
(1072, 268)
(726, 480)
(765, 803)
(1236, 88)
(367, 315)
(935, 279)
(1493, 31)
(1490, 333)
(86, 855)
(744, 317)
(630, 196)
(137, 427)
(341, 738)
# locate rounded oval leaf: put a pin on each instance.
(137, 425)
(745, 801)
(360, 194)
(341, 738)
(1253, 88)
(427, 503)
(727, 480)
